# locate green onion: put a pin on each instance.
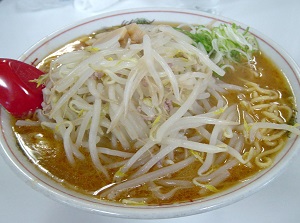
(224, 42)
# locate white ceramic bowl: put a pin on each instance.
(37, 180)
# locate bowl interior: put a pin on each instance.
(41, 182)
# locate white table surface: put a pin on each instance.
(279, 201)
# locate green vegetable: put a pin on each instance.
(137, 21)
(224, 42)
(202, 36)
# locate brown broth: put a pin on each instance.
(47, 152)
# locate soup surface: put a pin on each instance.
(262, 94)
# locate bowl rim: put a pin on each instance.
(147, 212)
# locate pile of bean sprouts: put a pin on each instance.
(154, 92)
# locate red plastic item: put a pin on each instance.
(18, 95)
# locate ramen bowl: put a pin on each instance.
(52, 189)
